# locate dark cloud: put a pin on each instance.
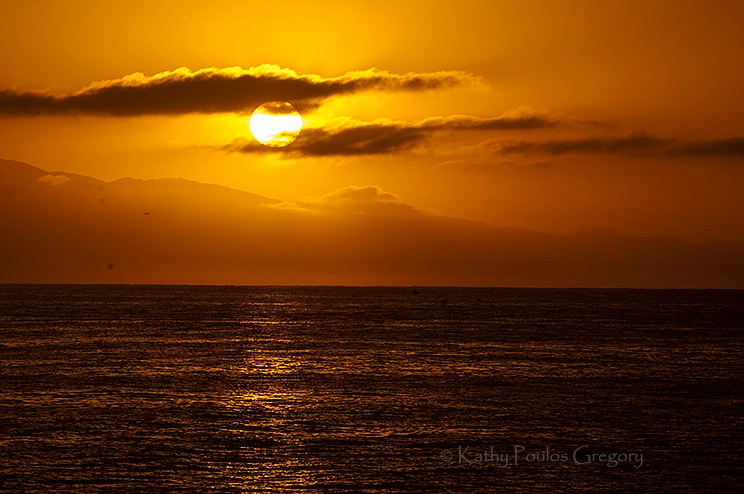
(348, 141)
(384, 137)
(732, 147)
(277, 108)
(634, 144)
(463, 122)
(217, 90)
(631, 144)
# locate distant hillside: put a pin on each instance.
(66, 228)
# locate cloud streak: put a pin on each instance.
(384, 136)
(216, 90)
(350, 199)
(55, 180)
(732, 147)
(353, 194)
(634, 144)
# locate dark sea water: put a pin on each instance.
(266, 389)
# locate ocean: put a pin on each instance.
(121, 388)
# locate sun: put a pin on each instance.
(275, 124)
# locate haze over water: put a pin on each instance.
(338, 389)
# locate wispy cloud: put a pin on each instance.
(54, 180)
(385, 136)
(351, 199)
(635, 144)
(732, 147)
(368, 194)
(214, 90)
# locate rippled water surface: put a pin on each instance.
(331, 389)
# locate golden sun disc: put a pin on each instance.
(275, 124)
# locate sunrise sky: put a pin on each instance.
(564, 117)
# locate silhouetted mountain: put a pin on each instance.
(62, 227)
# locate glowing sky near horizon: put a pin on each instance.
(558, 116)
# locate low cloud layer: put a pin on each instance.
(384, 136)
(54, 180)
(215, 90)
(634, 144)
(368, 194)
(354, 199)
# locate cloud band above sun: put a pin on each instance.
(214, 90)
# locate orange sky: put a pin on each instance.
(563, 117)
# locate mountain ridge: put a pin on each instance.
(61, 227)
